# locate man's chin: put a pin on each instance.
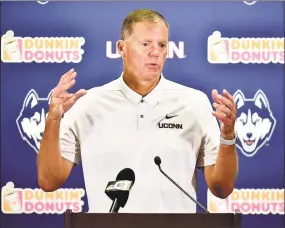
(152, 76)
(153, 73)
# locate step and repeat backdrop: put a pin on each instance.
(213, 45)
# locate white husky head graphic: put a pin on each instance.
(255, 122)
(32, 118)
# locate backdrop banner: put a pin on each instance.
(238, 46)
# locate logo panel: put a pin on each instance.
(223, 50)
(18, 201)
(41, 49)
(248, 201)
(255, 122)
(32, 118)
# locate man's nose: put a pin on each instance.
(154, 51)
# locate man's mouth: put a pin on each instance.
(153, 65)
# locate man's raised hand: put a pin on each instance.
(61, 101)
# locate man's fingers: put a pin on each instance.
(67, 85)
(215, 96)
(69, 78)
(79, 94)
(228, 95)
(74, 98)
(66, 75)
(68, 96)
(227, 99)
(228, 103)
(224, 110)
(60, 91)
(221, 117)
(67, 104)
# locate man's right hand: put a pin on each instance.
(61, 101)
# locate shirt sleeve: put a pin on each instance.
(69, 136)
(210, 134)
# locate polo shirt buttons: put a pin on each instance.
(142, 101)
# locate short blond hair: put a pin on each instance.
(140, 15)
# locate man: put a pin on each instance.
(129, 121)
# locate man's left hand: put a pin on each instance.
(225, 112)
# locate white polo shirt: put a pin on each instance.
(112, 128)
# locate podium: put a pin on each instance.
(130, 220)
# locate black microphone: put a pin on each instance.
(118, 190)
(157, 161)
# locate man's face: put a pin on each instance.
(146, 50)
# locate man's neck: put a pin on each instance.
(140, 87)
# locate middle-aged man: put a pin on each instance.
(138, 116)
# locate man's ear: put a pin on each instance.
(121, 47)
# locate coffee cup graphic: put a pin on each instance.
(217, 48)
(217, 205)
(11, 46)
(12, 198)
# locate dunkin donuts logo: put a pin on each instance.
(18, 201)
(41, 49)
(262, 50)
(248, 201)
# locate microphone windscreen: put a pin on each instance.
(157, 160)
(126, 174)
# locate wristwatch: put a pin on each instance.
(228, 142)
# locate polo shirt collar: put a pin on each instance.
(153, 98)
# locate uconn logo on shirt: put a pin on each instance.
(255, 122)
(170, 125)
(32, 118)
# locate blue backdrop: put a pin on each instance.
(245, 55)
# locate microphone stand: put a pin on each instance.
(204, 209)
(114, 207)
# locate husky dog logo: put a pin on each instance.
(32, 118)
(255, 122)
